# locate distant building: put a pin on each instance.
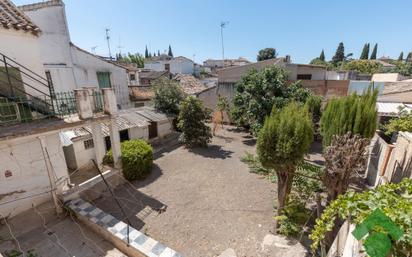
(176, 65)
(213, 65)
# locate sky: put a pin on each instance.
(299, 28)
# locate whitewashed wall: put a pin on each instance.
(164, 128)
(23, 47)
(181, 66)
(24, 158)
(83, 156)
(86, 67)
(139, 133)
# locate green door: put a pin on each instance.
(104, 79)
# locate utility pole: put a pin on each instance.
(108, 42)
(222, 26)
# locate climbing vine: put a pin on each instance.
(395, 200)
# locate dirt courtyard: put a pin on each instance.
(203, 201)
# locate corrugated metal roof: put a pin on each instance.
(151, 114)
(391, 109)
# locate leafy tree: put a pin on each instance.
(409, 58)
(322, 56)
(345, 158)
(340, 54)
(191, 122)
(400, 58)
(403, 68)
(168, 96)
(267, 53)
(257, 92)
(146, 53)
(170, 53)
(314, 105)
(282, 142)
(355, 114)
(374, 52)
(393, 199)
(403, 123)
(365, 52)
(133, 58)
(318, 61)
(363, 66)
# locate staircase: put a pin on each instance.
(24, 94)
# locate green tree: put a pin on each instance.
(409, 58)
(403, 68)
(191, 122)
(393, 199)
(267, 53)
(257, 92)
(363, 66)
(365, 52)
(354, 113)
(170, 53)
(282, 142)
(322, 56)
(403, 123)
(318, 61)
(133, 58)
(374, 52)
(146, 53)
(400, 58)
(168, 96)
(340, 54)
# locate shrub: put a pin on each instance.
(354, 113)
(403, 123)
(191, 122)
(137, 159)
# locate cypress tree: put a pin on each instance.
(158, 52)
(340, 53)
(146, 53)
(170, 53)
(374, 52)
(365, 52)
(322, 56)
(409, 58)
(400, 58)
(354, 113)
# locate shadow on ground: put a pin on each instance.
(212, 151)
(135, 204)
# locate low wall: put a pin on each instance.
(116, 231)
(400, 162)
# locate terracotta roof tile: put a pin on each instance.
(13, 18)
(140, 93)
(190, 84)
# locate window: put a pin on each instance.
(103, 78)
(124, 135)
(88, 143)
(304, 76)
(132, 76)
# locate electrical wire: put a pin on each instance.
(12, 236)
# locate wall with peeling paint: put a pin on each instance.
(24, 158)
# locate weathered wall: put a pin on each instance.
(327, 88)
(400, 163)
(83, 156)
(182, 66)
(318, 73)
(86, 67)
(209, 98)
(23, 157)
(164, 128)
(139, 133)
(379, 152)
(23, 47)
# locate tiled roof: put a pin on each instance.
(13, 18)
(190, 84)
(36, 6)
(141, 93)
(151, 74)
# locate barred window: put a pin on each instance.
(88, 143)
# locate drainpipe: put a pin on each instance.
(49, 168)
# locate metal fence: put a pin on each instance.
(27, 108)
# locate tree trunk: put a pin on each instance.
(285, 179)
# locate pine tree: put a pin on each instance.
(158, 52)
(340, 54)
(409, 58)
(354, 113)
(400, 58)
(170, 53)
(146, 53)
(374, 52)
(322, 56)
(365, 52)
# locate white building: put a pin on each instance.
(65, 64)
(177, 65)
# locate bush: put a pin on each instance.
(403, 123)
(137, 159)
(191, 122)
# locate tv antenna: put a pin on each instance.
(222, 26)
(120, 47)
(108, 42)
